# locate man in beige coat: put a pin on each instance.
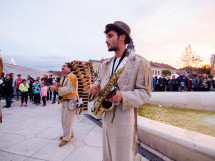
(68, 89)
(135, 84)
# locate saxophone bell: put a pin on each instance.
(107, 104)
(60, 99)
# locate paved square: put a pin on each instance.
(32, 134)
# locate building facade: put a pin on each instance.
(157, 68)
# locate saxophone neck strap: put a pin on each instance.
(125, 53)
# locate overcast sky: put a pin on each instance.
(43, 34)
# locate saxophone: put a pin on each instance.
(100, 105)
(60, 99)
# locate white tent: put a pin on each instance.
(10, 68)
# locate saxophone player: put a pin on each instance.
(68, 91)
(134, 89)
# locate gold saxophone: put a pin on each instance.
(100, 105)
(60, 99)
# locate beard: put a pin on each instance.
(112, 49)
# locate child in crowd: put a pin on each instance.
(182, 88)
(23, 87)
(36, 92)
(43, 93)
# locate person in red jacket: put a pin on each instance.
(17, 84)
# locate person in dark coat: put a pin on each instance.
(157, 84)
(196, 82)
(30, 81)
(56, 83)
(162, 83)
(182, 78)
(168, 83)
(173, 84)
(7, 90)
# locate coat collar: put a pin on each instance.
(130, 57)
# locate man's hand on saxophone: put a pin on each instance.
(116, 98)
(94, 90)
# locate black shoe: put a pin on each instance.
(53, 102)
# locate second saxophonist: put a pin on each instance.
(68, 91)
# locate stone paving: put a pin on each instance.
(32, 134)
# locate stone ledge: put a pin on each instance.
(193, 100)
(176, 143)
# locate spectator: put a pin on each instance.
(173, 84)
(57, 84)
(30, 81)
(162, 83)
(16, 85)
(206, 84)
(182, 88)
(154, 83)
(44, 79)
(213, 85)
(8, 90)
(43, 93)
(168, 83)
(24, 92)
(49, 82)
(40, 83)
(189, 88)
(182, 78)
(157, 83)
(37, 88)
(196, 82)
(13, 85)
(1, 88)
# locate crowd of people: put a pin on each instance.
(30, 89)
(38, 89)
(200, 82)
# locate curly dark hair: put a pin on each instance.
(69, 65)
(119, 33)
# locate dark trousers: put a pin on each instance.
(24, 97)
(39, 99)
(49, 94)
(8, 101)
(44, 100)
(36, 98)
(31, 94)
(55, 95)
(162, 88)
(17, 94)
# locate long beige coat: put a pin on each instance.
(68, 89)
(135, 83)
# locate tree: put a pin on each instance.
(210, 76)
(166, 72)
(190, 59)
(206, 68)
